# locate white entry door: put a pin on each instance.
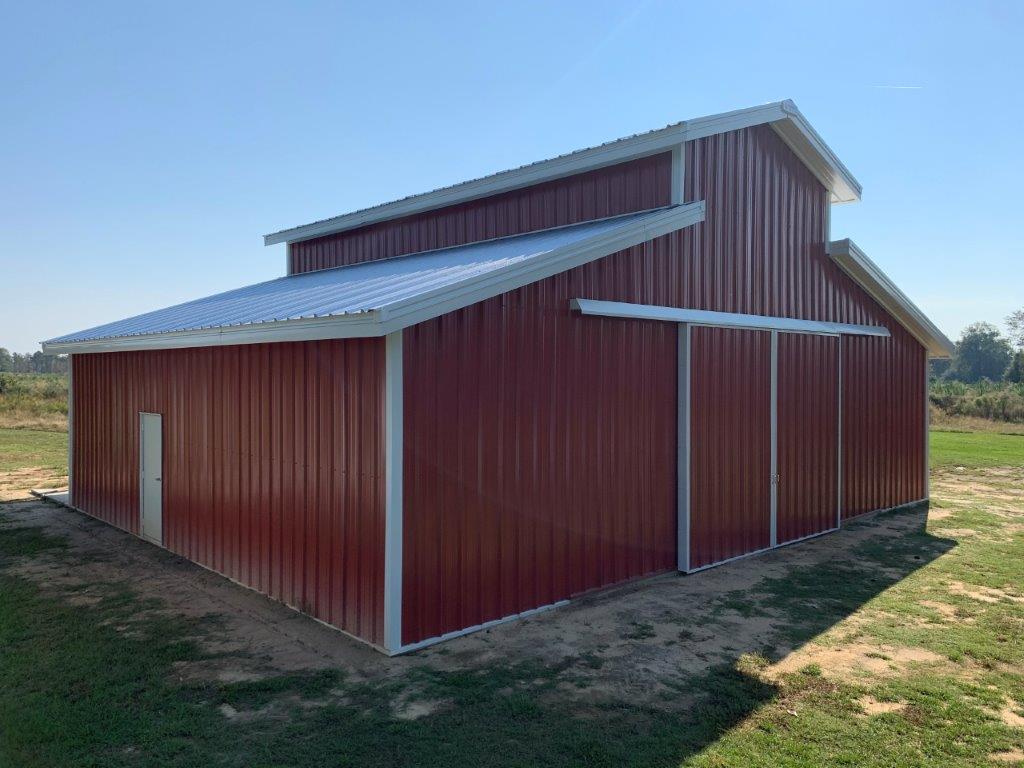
(151, 473)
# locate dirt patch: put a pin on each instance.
(16, 483)
(1010, 756)
(983, 594)
(1009, 714)
(946, 611)
(851, 661)
(873, 706)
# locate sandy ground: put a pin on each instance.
(643, 638)
(13, 483)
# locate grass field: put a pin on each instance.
(34, 401)
(910, 652)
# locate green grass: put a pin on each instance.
(33, 448)
(97, 686)
(976, 449)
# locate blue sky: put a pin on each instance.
(144, 148)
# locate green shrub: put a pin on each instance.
(998, 401)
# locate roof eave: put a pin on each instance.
(783, 116)
(349, 326)
(855, 263)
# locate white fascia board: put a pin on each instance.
(855, 263)
(398, 315)
(722, 319)
(783, 116)
(351, 326)
(450, 298)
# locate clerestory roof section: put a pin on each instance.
(378, 297)
(782, 116)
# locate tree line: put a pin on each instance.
(983, 353)
(36, 362)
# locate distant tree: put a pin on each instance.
(938, 367)
(981, 353)
(6, 361)
(1015, 324)
(1015, 373)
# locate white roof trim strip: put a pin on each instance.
(393, 315)
(722, 319)
(783, 116)
(872, 279)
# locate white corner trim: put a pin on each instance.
(783, 116)
(71, 427)
(424, 306)
(855, 263)
(721, 319)
(393, 506)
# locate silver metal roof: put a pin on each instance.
(376, 286)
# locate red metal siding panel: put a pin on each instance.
(808, 435)
(730, 444)
(513, 404)
(273, 464)
(624, 188)
(539, 459)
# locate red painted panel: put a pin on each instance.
(273, 464)
(808, 435)
(512, 404)
(883, 422)
(730, 444)
(539, 459)
(624, 188)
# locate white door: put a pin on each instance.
(151, 475)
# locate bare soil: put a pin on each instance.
(646, 640)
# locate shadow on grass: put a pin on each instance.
(98, 686)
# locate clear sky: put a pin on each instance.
(145, 148)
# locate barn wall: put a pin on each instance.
(636, 185)
(273, 464)
(527, 424)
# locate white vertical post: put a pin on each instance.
(678, 173)
(839, 436)
(927, 432)
(683, 450)
(775, 439)
(393, 494)
(71, 428)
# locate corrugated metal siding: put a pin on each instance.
(883, 423)
(539, 458)
(634, 186)
(808, 435)
(761, 250)
(730, 443)
(273, 464)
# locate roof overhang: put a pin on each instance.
(782, 116)
(406, 312)
(867, 274)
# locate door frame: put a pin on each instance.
(142, 478)
(683, 441)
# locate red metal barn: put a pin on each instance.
(481, 401)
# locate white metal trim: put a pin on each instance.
(416, 309)
(927, 432)
(678, 173)
(783, 116)
(393, 506)
(839, 436)
(683, 450)
(475, 628)
(722, 319)
(71, 426)
(774, 432)
(855, 263)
